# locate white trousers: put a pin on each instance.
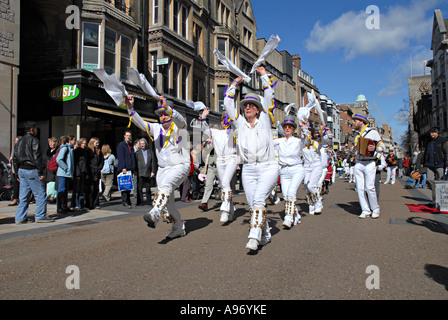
(226, 167)
(168, 179)
(291, 178)
(258, 181)
(391, 173)
(313, 173)
(365, 172)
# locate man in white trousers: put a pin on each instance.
(171, 143)
(369, 148)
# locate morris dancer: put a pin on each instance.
(170, 140)
(369, 147)
(292, 172)
(256, 150)
(224, 145)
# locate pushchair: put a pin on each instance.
(5, 181)
(198, 187)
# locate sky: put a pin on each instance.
(349, 49)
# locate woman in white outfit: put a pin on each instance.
(171, 144)
(311, 154)
(292, 172)
(226, 160)
(256, 150)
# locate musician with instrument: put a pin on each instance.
(392, 165)
(368, 147)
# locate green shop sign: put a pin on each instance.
(64, 93)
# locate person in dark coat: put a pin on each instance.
(436, 154)
(82, 173)
(126, 162)
(146, 169)
(96, 164)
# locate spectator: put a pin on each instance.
(406, 164)
(126, 162)
(211, 172)
(422, 170)
(15, 177)
(400, 167)
(436, 154)
(146, 169)
(186, 185)
(107, 173)
(50, 173)
(81, 175)
(392, 164)
(30, 167)
(96, 164)
(66, 161)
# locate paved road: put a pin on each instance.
(325, 257)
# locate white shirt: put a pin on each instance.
(176, 150)
(223, 140)
(255, 144)
(289, 151)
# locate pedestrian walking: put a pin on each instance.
(224, 147)
(108, 171)
(146, 170)
(256, 150)
(126, 162)
(66, 161)
(211, 173)
(436, 154)
(369, 147)
(173, 157)
(30, 167)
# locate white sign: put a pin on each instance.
(161, 62)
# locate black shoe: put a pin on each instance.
(127, 205)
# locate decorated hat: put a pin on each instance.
(251, 98)
(226, 120)
(161, 109)
(289, 120)
(361, 116)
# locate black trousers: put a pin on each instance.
(143, 182)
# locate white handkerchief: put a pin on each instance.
(230, 66)
(140, 80)
(196, 106)
(112, 85)
(270, 46)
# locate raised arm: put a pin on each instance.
(135, 117)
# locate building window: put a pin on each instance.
(126, 52)
(166, 13)
(176, 8)
(155, 12)
(110, 44)
(154, 69)
(184, 84)
(176, 71)
(247, 38)
(197, 39)
(221, 92)
(90, 46)
(222, 47)
(185, 13)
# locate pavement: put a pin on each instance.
(114, 210)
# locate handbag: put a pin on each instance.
(125, 182)
(415, 175)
